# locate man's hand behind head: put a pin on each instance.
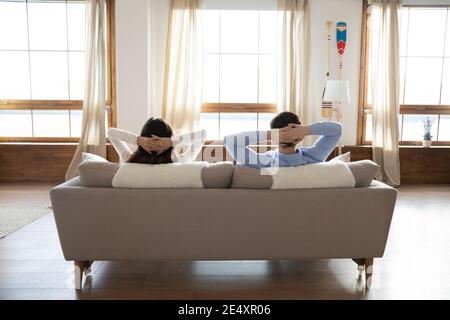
(293, 134)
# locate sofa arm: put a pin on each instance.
(74, 182)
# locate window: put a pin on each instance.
(239, 85)
(42, 69)
(424, 76)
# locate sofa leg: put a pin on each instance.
(368, 263)
(80, 268)
(360, 263)
(79, 265)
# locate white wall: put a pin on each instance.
(140, 60)
(140, 75)
(158, 11)
(131, 48)
(349, 11)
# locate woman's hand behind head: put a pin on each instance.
(155, 144)
(161, 144)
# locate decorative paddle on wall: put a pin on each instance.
(327, 106)
(341, 40)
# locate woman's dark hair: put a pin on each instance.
(283, 119)
(153, 127)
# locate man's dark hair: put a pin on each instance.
(283, 119)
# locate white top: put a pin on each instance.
(186, 147)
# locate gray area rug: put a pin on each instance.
(14, 218)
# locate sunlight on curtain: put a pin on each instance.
(384, 58)
(184, 58)
(93, 136)
(293, 56)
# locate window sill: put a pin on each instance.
(38, 143)
(49, 143)
(401, 146)
(420, 147)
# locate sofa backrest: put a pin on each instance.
(220, 175)
(101, 174)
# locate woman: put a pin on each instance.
(156, 144)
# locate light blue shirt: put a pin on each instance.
(238, 146)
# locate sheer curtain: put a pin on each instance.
(384, 75)
(184, 58)
(293, 58)
(93, 136)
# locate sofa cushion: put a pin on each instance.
(250, 178)
(319, 175)
(92, 157)
(343, 157)
(332, 174)
(160, 176)
(100, 173)
(364, 171)
(97, 173)
(218, 175)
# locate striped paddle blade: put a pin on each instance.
(341, 36)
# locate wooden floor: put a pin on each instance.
(416, 263)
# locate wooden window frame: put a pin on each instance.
(239, 107)
(364, 108)
(74, 104)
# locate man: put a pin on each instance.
(287, 132)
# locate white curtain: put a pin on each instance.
(158, 22)
(184, 59)
(93, 136)
(293, 51)
(384, 80)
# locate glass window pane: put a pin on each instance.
(51, 123)
(76, 25)
(14, 75)
(76, 74)
(413, 127)
(238, 78)
(15, 123)
(426, 32)
(267, 79)
(444, 128)
(211, 78)
(403, 20)
(445, 100)
(239, 31)
(267, 32)
(423, 80)
(447, 40)
(369, 127)
(13, 26)
(107, 85)
(237, 122)
(400, 127)
(369, 132)
(402, 79)
(210, 122)
(264, 120)
(76, 120)
(49, 75)
(75, 123)
(369, 84)
(211, 31)
(47, 25)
